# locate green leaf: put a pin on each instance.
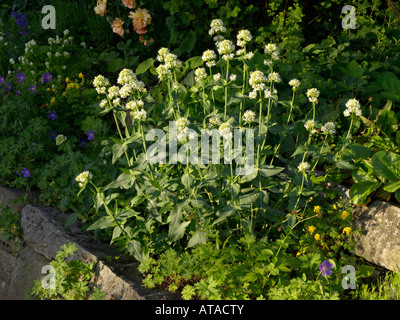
(355, 151)
(360, 191)
(116, 65)
(102, 223)
(226, 212)
(135, 248)
(198, 237)
(176, 226)
(269, 171)
(187, 44)
(144, 66)
(124, 181)
(392, 186)
(118, 150)
(187, 181)
(387, 165)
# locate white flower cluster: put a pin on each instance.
(352, 107)
(274, 77)
(182, 125)
(127, 78)
(60, 139)
(139, 115)
(209, 57)
(303, 166)
(214, 121)
(243, 37)
(29, 45)
(272, 50)
(226, 49)
(216, 26)
(200, 74)
(83, 178)
(249, 116)
(312, 95)
(310, 125)
(257, 79)
(134, 105)
(100, 83)
(170, 61)
(225, 130)
(294, 83)
(329, 128)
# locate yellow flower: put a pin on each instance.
(81, 76)
(48, 89)
(298, 253)
(53, 100)
(317, 237)
(101, 7)
(317, 209)
(334, 207)
(131, 4)
(324, 246)
(346, 230)
(67, 80)
(311, 229)
(344, 215)
(64, 94)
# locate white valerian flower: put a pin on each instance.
(103, 103)
(100, 83)
(274, 77)
(171, 61)
(126, 76)
(214, 121)
(217, 76)
(352, 107)
(139, 115)
(249, 116)
(83, 178)
(226, 48)
(209, 56)
(257, 79)
(294, 83)
(163, 72)
(113, 92)
(312, 95)
(66, 32)
(134, 105)
(225, 130)
(200, 74)
(253, 94)
(182, 124)
(272, 50)
(216, 26)
(12, 61)
(249, 56)
(243, 37)
(162, 52)
(232, 77)
(329, 128)
(267, 94)
(60, 139)
(309, 125)
(303, 166)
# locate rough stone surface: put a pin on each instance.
(380, 242)
(43, 234)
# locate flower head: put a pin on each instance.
(52, 115)
(26, 173)
(225, 48)
(346, 230)
(101, 7)
(216, 26)
(90, 135)
(60, 139)
(303, 166)
(294, 83)
(329, 128)
(140, 115)
(249, 116)
(325, 268)
(117, 26)
(225, 130)
(21, 77)
(353, 107)
(131, 4)
(83, 178)
(257, 79)
(309, 125)
(344, 215)
(32, 88)
(140, 19)
(243, 37)
(274, 77)
(311, 229)
(200, 74)
(312, 95)
(182, 124)
(214, 121)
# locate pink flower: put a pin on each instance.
(140, 19)
(131, 4)
(117, 26)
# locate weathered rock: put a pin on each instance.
(43, 234)
(380, 242)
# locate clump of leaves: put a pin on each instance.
(67, 280)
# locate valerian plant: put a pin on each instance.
(161, 198)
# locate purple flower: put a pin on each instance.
(18, 93)
(32, 88)
(26, 172)
(2, 80)
(52, 115)
(46, 77)
(83, 143)
(90, 135)
(21, 77)
(325, 268)
(9, 86)
(53, 135)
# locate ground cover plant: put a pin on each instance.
(215, 170)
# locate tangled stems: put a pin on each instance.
(226, 88)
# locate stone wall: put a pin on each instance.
(43, 234)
